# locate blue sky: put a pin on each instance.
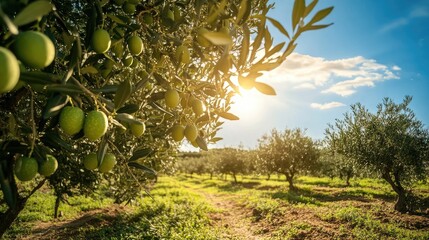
(375, 49)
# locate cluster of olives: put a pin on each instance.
(33, 49)
(26, 168)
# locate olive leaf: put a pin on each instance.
(228, 116)
(123, 93)
(32, 12)
(218, 38)
(265, 88)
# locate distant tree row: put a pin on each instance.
(391, 144)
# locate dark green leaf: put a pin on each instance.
(161, 80)
(142, 167)
(52, 139)
(64, 88)
(117, 19)
(140, 153)
(129, 108)
(123, 93)
(39, 78)
(102, 149)
(76, 54)
(125, 117)
(54, 105)
(32, 12)
(106, 89)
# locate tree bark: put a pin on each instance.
(268, 176)
(348, 176)
(57, 205)
(289, 178)
(235, 177)
(7, 218)
(401, 204)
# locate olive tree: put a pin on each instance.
(127, 80)
(231, 161)
(390, 142)
(290, 152)
(333, 164)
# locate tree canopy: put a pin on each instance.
(391, 142)
(142, 75)
(289, 152)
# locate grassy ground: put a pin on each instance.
(322, 208)
(200, 208)
(171, 213)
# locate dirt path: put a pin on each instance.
(233, 219)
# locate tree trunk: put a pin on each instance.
(348, 176)
(289, 178)
(268, 176)
(211, 176)
(57, 205)
(235, 177)
(7, 218)
(401, 204)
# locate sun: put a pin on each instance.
(248, 105)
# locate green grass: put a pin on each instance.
(172, 213)
(178, 209)
(40, 207)
(271, 200)
(365, 226)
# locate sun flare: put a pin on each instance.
(247, 105)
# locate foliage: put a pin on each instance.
(218, 161)
(231, 162)
(336, 164)
(390, 142)
(121, 60)
(290, 152)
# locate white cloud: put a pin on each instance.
(397, 23)
(396, 68)
(417, 12)
(420, 12)
(305, 86)
(340, 76)
(326, 106)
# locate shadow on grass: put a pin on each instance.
(237, 186)
(307, 196)
(321, 183)
(94, 226)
